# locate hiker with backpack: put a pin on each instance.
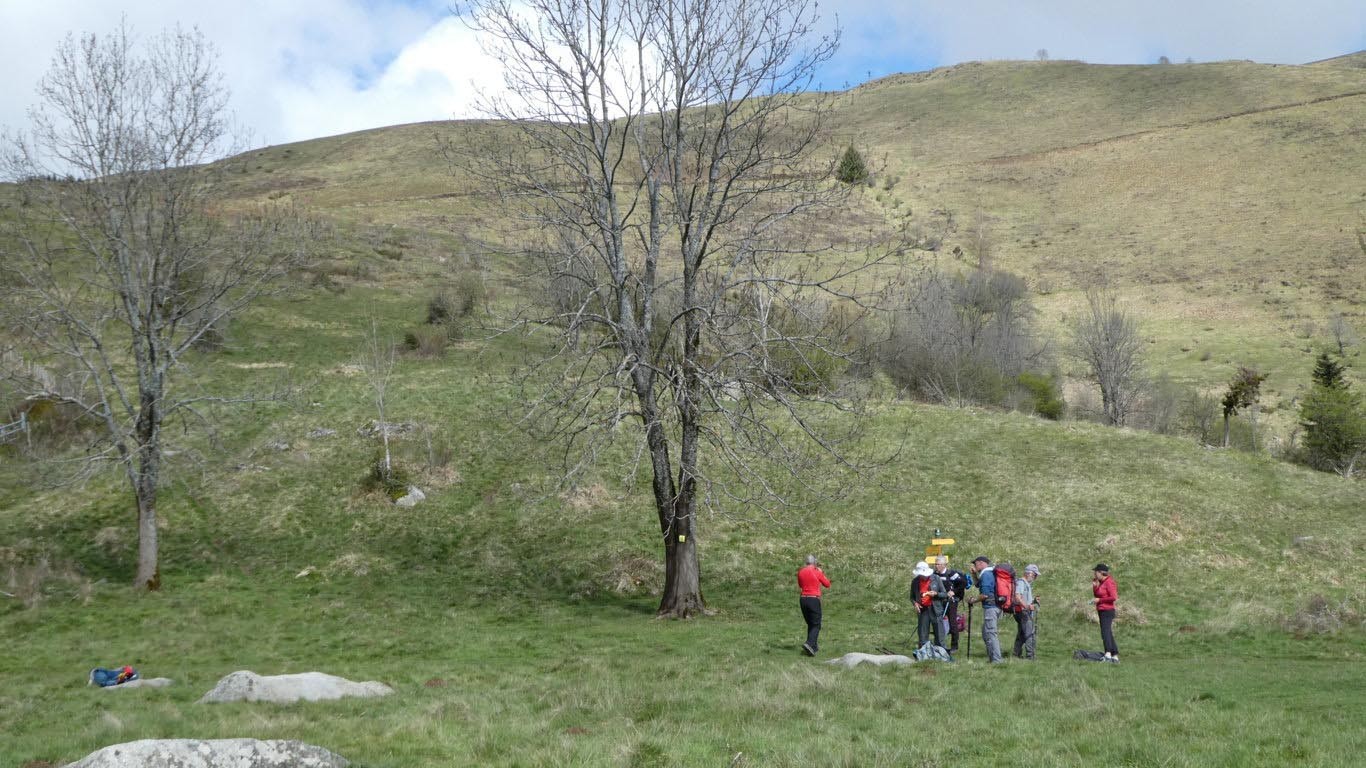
(810, 579)
(1025, 607)
(989, 597)
(1106, 593)
(930, 597)
(957, 585)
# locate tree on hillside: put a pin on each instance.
(667, 157)
(1344, 335)
(116, 262)
(851, 169)
(1243, 391)
(1334, 420)
(1105, 336)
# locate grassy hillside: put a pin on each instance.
(1223, 199)
(514, 619)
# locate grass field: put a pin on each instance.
(533, 610)
(514, 618)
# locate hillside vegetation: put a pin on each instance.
(513, 616)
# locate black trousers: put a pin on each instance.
(953, 625)
(811, 611)
(1107, 631)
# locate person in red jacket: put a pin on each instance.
(810, 579)
(1103, 587)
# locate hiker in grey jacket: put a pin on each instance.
(931, 599)
(1024, 619)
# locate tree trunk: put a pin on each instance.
(1225, 430)
(149, 571)
(682, 575)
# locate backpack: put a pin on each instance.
(1005, 587)
(931, 652)
(106, 678)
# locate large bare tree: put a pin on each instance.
(1105, 336)
(116, 260)
(666, 157)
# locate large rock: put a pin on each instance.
(141, 682)
(218, 753)
(284, 689)
(851, 660)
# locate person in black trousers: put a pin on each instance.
(1106, 593)
(957, 585)
(810, 579)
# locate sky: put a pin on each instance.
(301, 69)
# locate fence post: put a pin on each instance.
(28, 438)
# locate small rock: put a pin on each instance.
(277, 445)
(141, 682)
(1301, 540)
(415, 495)
(284, 689)
(322, 432)
(215, 753)
(391, 428)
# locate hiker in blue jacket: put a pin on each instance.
(991, 612)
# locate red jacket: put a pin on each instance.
(811, 579)
(1106, 594)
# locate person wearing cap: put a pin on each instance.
(1024, 618)
(810, 579)
(1106, 593)
(957, 585)
(991, 612)
(930, 598)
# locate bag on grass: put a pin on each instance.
(1005, 587)
(931, 652)
(105, 678)
(1080, 655)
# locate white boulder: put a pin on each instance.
(285, 689)
(217, 753)
(141, 682)
(851, 660)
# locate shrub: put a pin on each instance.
(964, 338)
(851, 169)
(440, 308)
(1046, 399)
(427, 341)
(392, 481)
(467, 293)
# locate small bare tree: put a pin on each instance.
(1105, 336)
(667, 154)
(1344, 335)
(116, 260)
(379, 368)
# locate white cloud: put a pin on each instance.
(307, 68)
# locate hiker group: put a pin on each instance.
(938, 593)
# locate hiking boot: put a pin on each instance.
(808, 649)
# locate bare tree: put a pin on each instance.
(666, 154)
(1041, 54)
(1105, 336)
(379, 368)
(1344, 335)
(116, 261)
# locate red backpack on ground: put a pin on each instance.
(1005, 587)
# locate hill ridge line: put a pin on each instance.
(1189, 124)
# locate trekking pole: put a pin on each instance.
(969, 655)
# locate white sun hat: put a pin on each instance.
(922, 569)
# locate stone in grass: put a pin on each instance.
(851, 660)
(141, 682)
(216, 753)
(415, 495)
(285, 689)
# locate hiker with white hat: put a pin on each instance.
(1026, 605)
(931, 599)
